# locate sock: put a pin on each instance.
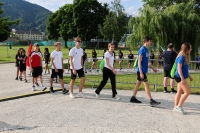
(165, 88)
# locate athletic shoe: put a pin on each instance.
(173, 91)
(43, 87)
(65, 91)
(120, 68)
(165, 91)
(179, 110)
(117, 97)
(33, 88)
(20, 79)
(16, 78)
(51, 90)
(80, 94)
(25, 81)
(36, 83)
(134, 100)
(97, 95)
(71, 95)
(154, 103)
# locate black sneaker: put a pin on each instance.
(51, 90)
(134, 100)
(65, 91)
(36, 83)
(16, 78)
(165, 91)
(25, 81)
(173, 91)
(20, 79)
(154, 103)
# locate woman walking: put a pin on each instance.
(47, 60)
(108, 71)
(17, 63)
(121, 56)
(94, 59)
(22, 66)
(181, 74)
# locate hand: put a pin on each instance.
(74, 72)
(155, 70)
(56, 70)
(31, 69)
(114, 71)
(141, 75)
(183, 81)
(191, 79)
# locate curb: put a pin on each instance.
(26, 95)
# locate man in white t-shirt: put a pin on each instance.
(57, 67)
(76, 66)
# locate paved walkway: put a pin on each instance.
(57, 113)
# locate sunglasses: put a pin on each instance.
(79, 41)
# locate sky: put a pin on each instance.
(131, 6)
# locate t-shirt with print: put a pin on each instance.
(23, 61)
(77, 54)
(121, 55)
(36, 59)
(185, 67)
(130, 56)
(46, 56)
(57, 59)
(111, 59)
(144, 52)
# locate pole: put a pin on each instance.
(7, 49)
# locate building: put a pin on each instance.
(28, 35)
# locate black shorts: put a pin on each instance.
(22, 68)
(55, 74)
(46, 61)
(95, 60)
(130, 61)
(142, 80)
(37, 71)
(80, 73)
(167, 73)
(177, 79)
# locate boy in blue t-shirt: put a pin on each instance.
(142, 69)
(197, 63)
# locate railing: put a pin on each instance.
(127, 75)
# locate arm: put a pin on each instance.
(82, 62)
(151, 66)
(62, 65)
(72, 65)
(180, 71)
(30, 62)
(140, 63)
(53, 64)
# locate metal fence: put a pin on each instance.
(128, 75)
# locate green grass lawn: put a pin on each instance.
(127, 82)
(8, 55)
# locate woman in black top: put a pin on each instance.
(130, 59)
(160, 61)
(120, 59)
(22, 65)
(47, 59)
(94, 59)
(84, 57)
(152, 57)
(17, 62)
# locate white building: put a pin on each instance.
(28, 35)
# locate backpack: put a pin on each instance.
(135, 63)
(173, 70)
(101, 66)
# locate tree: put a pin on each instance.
(4, 25)
(115, 23)
(88, 14)
(176, 23)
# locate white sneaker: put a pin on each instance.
(117, 97)
(33, 88)
(80, 94)
(43, 87)
(179, 110)
(71, 95)
(97, 95)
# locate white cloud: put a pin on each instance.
(131, 10)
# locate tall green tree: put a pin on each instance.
(5, 23)
(115, 23)
(176, 23)
(88, 14)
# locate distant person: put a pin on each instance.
(197, 59)
(68, 67)
(22, 65)
(17, 63)
(169, 58)
(84, 58)
(36, 66)
(130, 59)
(108, 72)
(57, 67)
(181, 74)
(46, 59)
(152, 57)
(121, 56)
(94, 60)
(160, 59)
(104, 51)
(142, 69)
(76, 66)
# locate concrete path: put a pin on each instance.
(57, 113)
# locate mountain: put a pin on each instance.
(32, 16)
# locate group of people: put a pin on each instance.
(76, 61)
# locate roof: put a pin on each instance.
(32, 32)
